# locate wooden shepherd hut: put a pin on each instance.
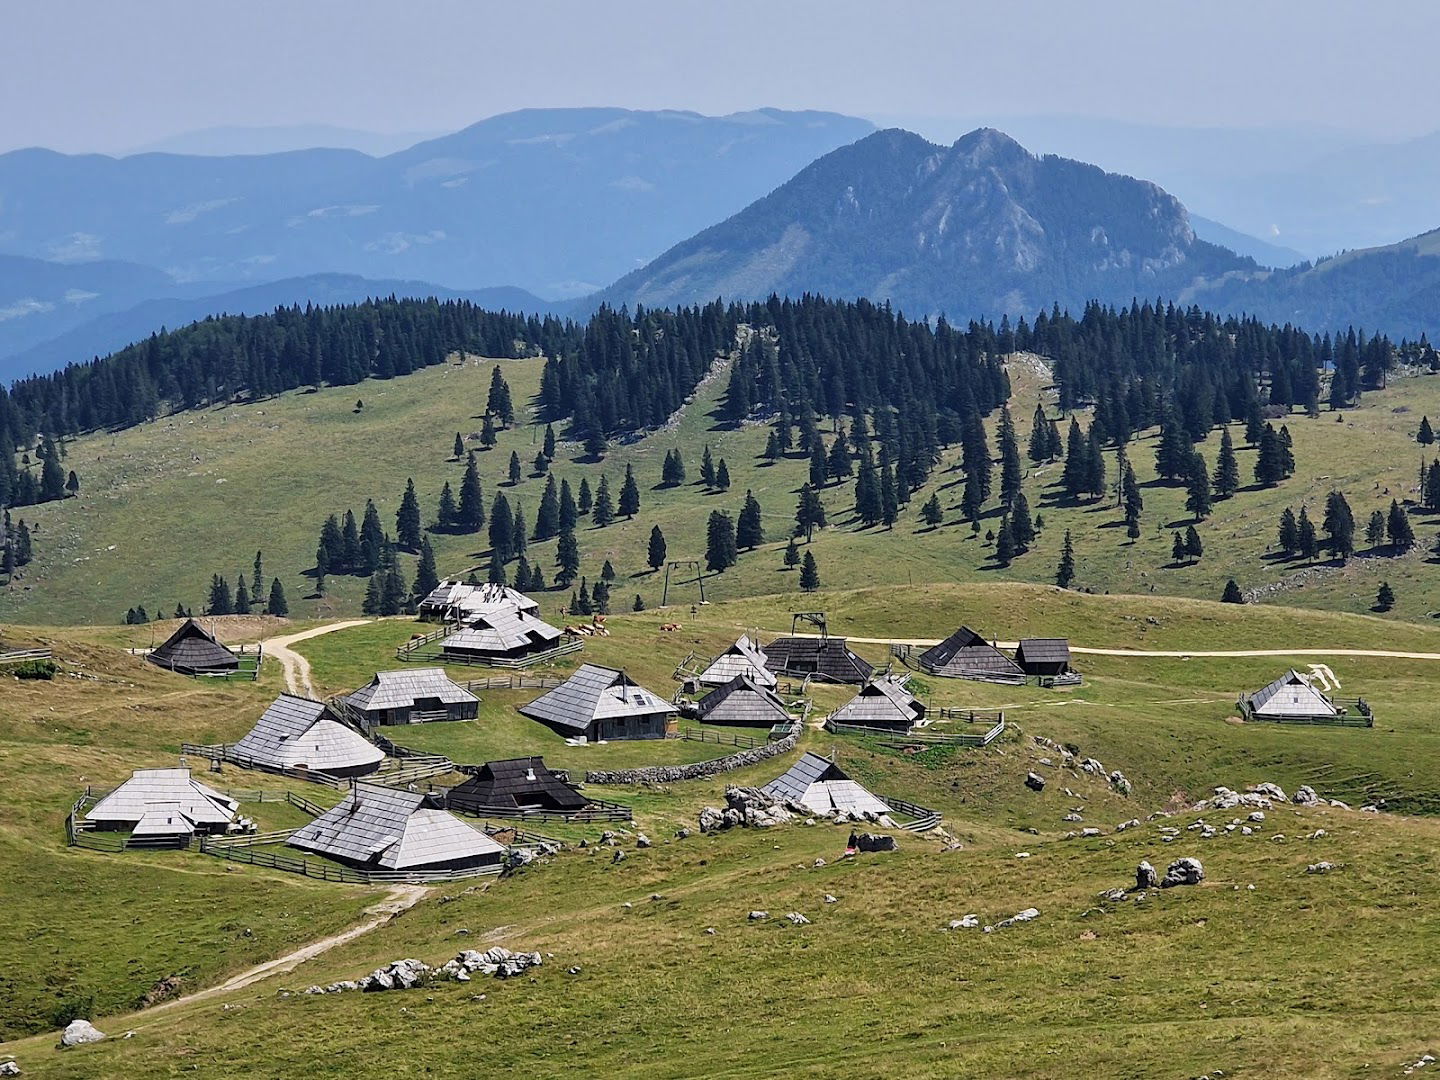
(822, 787)
(515, 784)
(413, 696)
(882, 703)
(382, 828)
(599, 703)
(164, 803)
(502, 633)
(825, 658)
(298, 733)
(743, 701)
(193, 650)
(1044, 656)
(967, 655)
(744, 657)
(1289, 699)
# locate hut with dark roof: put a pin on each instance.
(413, 696)
(822, 787)
(743, 701)
(298, 733)
(823, 657)
(744, 657)
(1046, 656)
(967, 655)
(515, 784)
(882, 703)
(382, 828)
(599, 703)
(193, 650)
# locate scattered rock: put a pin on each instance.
(1113, 895)
(1090, 832)
(572, 971)
(796, 919)
(1257, 815)
(709, 930)
(1034, 781)
(756, 916)
(1072, 816)
(1120, 783)
(1183, 872)
(654, 896)
(682, 833)
(9, 1068)
(1273, 791)
(619, 856)
(641, 840)
(1093, 767)
(969, 922)
(79, 1032)
(819, 863)
(1305, 796)
(1022, 854)
(1316, 835)
(1131, 824)
(830, 899)
(876, 842)
(1019, 917)
(1320, 868)
(1338, 805)
(1146, 877)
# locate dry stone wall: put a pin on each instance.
(673, 774)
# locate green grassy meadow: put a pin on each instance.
(167, 504)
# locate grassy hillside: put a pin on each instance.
(1301, 976)
(167, 504)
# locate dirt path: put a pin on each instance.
(401, 898)
(925, 643)
(297, 668)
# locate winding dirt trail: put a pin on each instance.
(297, 668)
(925, 643)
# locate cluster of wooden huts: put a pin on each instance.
(491, 624)
(966, 654)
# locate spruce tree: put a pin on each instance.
(1385, 597)
(809, 573)
(1288, 534)
(501, 527)
(1307, 543)
(1197, 487)
(427, 579)
(220, 602)
(655, 554)
(809, 512)
(1065, 572)
(242, 596)
(596, 444)
(1270, 461)
(1227, 468)
(1231, 595)
(567, 558)
(838, 461)
(471, 514)
(548, 446)
(1075, 479)
(819, 464)
(607, 572)
(1177, 548)
(722, 475)
(867, 494)
(720, 551)
(582, 605)
(353, 558)
(1038, 449)
(518, 536)
(931, 513)
(1375, 529)
(1011, 474)
(889, 501)
(371, 605)
(495, 573)
(459, 449)
(604, 508)
(629, 494)
(547, 518)
(488, 435)
(407, 519)
(372, 538)
(1022, 529)
(1398, 528)
(1425, 436)
(749, 533)
(1194, 549)
(569, 515)
(514, 473)
(707, 469)
(72, 484)
(792, 553)
(446, 514)
(587, 501)
(277, 605)
(498, 402)
(1004, 543)
(1339, 526)
(639, 604)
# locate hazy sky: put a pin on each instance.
(101, 75)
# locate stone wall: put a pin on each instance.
(672, 774)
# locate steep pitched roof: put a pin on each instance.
(822, 787)
(296, 731)
(393, 830)
(882, 702)
(499, 631)
(1043, 650)
(517, 782)
(171, 789)
(744, 657)
(466, 599)
(829, 657)
(400, 689)
(167, 820)
(193, 648)
(594, 693)
(966, 652)
(1291, 695)
(743, 700)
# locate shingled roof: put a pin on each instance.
(881, 703)
(149, 790)
(400, 689)
(1291, 695)
(967, 653)
(458, 599)
(743, 700)
(1043, 652)
(389, 829)
(501, 631)
(296, 732)
(744, 657)
(515, 782)
(192, 650)
(821, 786)
(594, 693)
(830, 658)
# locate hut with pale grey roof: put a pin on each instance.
(383, 829)
(744, 701)
(883, 704)
(413, 696)
(744, 657)
(456, 601)
(1291, 699)
(822, 787)
(167, 802)
(296, 733)
(500, 633)
(599, 704)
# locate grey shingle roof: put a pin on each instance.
(455, 597)
(400, 689)
(192, 648)
(1291, 695)
(966, 652)
(744, 657)
(1043, 651)
(392, 830)
(501, 631)
(516, 782)
(883, 702)
(822, 786)
(829, 657)
(297, 732)
(743, 701)
(150, 789)
(594, 693)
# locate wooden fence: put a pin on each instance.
(248, 849)
(727, 738)
(922, 818)
(1342, 717)
(226, 752)
(598, 810)
(920, 738)
(513, 682)
(426, 649)
(19, 656)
